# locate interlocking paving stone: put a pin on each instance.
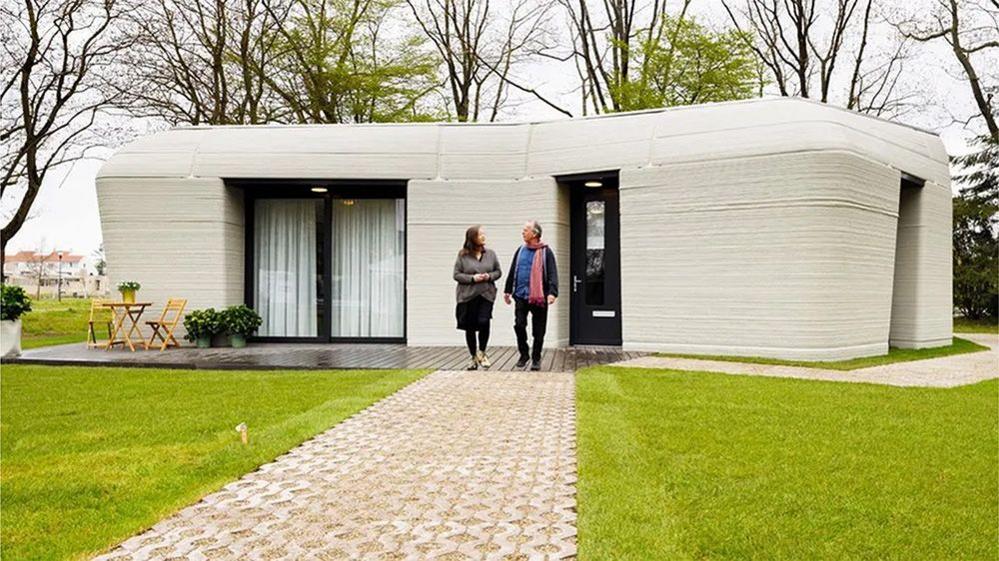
(457, 466)
(943, 372)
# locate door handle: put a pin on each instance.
(575, 283)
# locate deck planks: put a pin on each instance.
(311, 356)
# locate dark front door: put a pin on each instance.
(596, 262)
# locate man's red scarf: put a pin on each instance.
(536, 288)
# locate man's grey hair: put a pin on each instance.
(535, 227)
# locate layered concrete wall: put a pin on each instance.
(726, 257)
(436, 228)
(922, 302)
(177, 237)
(765, 227)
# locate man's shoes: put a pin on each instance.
(522, 362)
(483, 359)
(536, 365)
(474, 365)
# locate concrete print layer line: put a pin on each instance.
(943, 372)
(457, 466)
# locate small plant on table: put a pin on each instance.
(128, 290)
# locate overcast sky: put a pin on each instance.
(66, 216)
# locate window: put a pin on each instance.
(326, 261)
(287, 245)
(368, 281)
(594, 253)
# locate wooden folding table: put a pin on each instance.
(126, 323)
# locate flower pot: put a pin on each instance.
(203, 342)
(10, 338)
(128, 296)
(237, 340)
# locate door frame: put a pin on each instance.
(577, 191)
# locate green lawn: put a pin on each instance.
(90, 456)
(687, 465)
(964, 325)
(51, 322)
(959, 346)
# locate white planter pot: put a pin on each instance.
(10, 338)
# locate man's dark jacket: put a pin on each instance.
(550, 280)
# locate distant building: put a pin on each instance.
(39, 274)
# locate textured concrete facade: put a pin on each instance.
(772, 227)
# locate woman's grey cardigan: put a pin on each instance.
(467, 266)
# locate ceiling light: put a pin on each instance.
(594, 183)
(319, 189)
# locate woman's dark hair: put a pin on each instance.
(471, 241)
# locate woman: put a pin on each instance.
(476, 271)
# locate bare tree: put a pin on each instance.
(802, 43)
(971, 29)
(57, 57)
(604, 43)
(193, 61)
(332, 64)
(478, 47)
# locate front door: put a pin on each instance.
(596, 261)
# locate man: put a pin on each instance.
(533, 285)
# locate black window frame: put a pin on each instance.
(336, 189)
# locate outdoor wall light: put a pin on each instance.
(319, 189)
(594, 183)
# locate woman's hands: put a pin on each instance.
(480, 277)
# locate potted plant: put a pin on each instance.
(128, 289)
(202, 325)
(14, 302)
(239, 322)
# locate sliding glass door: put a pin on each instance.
(326, 262)
(368, 281)
(286, 245)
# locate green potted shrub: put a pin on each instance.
(14, 303)
(240, 322)
(128, 290)
(202, 325)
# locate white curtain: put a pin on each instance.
(285, 261)
(368, 277)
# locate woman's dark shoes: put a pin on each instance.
(536, 365)
(474, 365)
(522, 362)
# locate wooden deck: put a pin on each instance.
(271, 356)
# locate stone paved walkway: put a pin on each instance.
(460, 465)
(944, 372)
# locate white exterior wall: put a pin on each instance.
(764, 227)
(437, 223)
(922, 303)
(179, 238)
(722, 257)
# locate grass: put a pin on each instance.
(959, 346)
(92, 456)
(51, 322)
(965, 325)
(687, 465)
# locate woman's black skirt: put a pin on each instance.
(474, 314)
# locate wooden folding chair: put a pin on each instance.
(98, 314)
(163, 327)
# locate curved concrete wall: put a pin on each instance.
(766, 227)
